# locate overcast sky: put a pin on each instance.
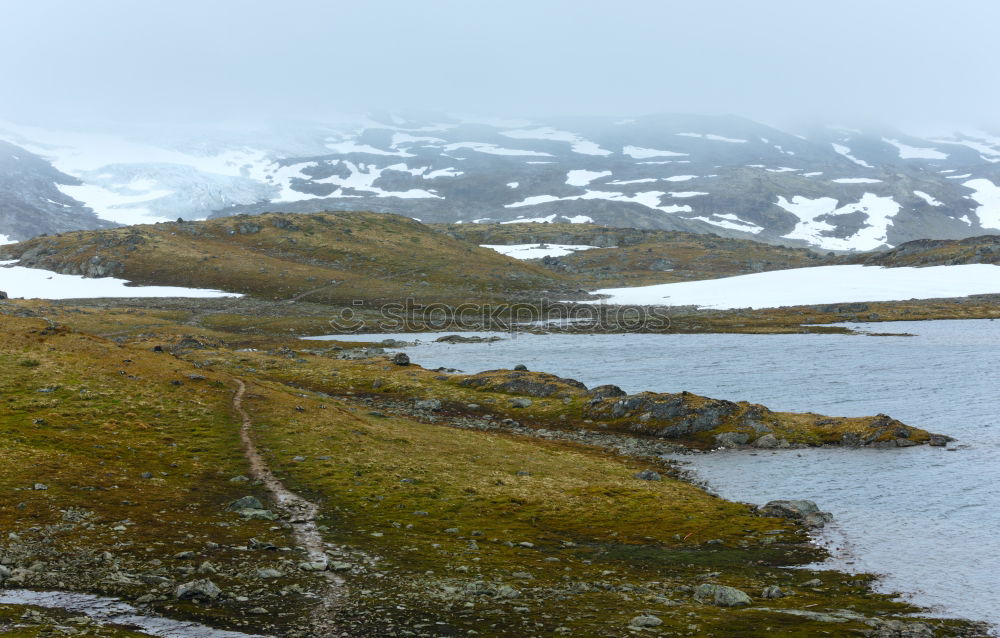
(914, 63)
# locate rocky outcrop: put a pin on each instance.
(804, 511)
(533, 384)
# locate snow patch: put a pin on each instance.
(584, 177)
(513, 184)
(818, 285)
(927, 198)
(714, 138)
(493, 149)
(578, 144)
(987, 195)
(680, 178)
(855, 180)
(576, 219)
(846, 152)
(913, 152)
(535, 251)
(35, 283)
(638, 152)
(688, 194)
(649, 199)
(4, 239)
(879, 212)
(732, 222)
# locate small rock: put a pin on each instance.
(427, 404)
(520, 403)
(521, 367)
(267, 572)
(646, 620)
(40, 486)
(772, 591)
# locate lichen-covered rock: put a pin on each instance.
(805, 511)
(203, 589)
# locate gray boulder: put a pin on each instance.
(648, 475)
(731, 439)
(645, 620)
(203, 589)
(245, 503)
(770, 442)
(721, 596)
(427, 404)
(802, 510)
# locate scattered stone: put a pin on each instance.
(267, 573)
(772, 591)
(40, 486)
(427, 404)
(521, 367)
(648, 475)
(815, 582)
(520, 403)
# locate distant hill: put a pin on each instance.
(830, 188)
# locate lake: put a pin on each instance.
(927, 519)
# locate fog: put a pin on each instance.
(913, 64)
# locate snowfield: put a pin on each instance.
(987, 195)
(879, 211)
(35, 283)
(819, 285)
(4, 239)
(535, 251)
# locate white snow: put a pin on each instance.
(513, 184)
(846, 152)
(399, 139)
(4, 239)
(493, 149)
(35, 283)
(667, 162)
(731, 222)
(879, 212)
(963, 176)
(855, 180)
(584, 177)
(351, 146)
(782, 169)
(649, 199)
(644, 180)
(987, 195)
(363, 177)
(639, 152)
(686, 194)
(714, 138)
(812, 174)
(120, 204)
(913, 152)
(927, 198)
(535, 251)
(680, 178)
(819, 285)
(578, 144)
(576, 219)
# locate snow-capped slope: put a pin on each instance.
(835, 189)
(818, 285)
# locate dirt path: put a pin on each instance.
(301, 514)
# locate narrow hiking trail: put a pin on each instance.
(302, 515)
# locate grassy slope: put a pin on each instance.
(370, 256)
(622, 546)
(630, 257)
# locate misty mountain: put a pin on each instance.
(831, 188)
(30, 200)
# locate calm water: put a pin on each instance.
(926, 518)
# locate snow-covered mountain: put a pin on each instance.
(832, 188)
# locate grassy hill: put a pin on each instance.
(326, 257)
